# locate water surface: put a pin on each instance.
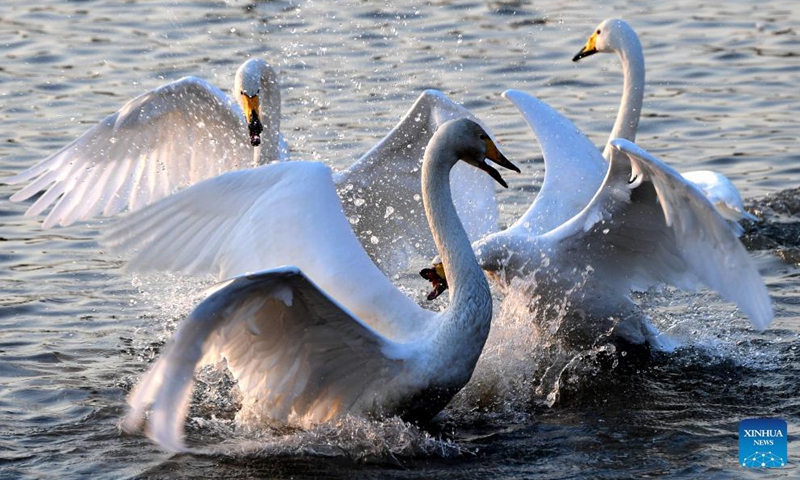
(76, 331)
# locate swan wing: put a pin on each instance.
(261, 218)
(649, 225)
(574, 168)
(165, 139)
(381, 192)
(234, 223)
(297, 355)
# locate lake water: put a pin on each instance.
(76, 331)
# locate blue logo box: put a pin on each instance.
(763, 443)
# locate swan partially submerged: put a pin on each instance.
(636, 224)
(616, 36)
(301, 345)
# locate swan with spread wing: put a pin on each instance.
(163, 140)
(305, 352)
(612, 227)
(616, 36)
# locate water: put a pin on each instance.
(77, 331)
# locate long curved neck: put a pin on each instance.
(467, 319)
(630, 107)
(270, 113)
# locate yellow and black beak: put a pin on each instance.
(589, 49)
(494, 154)
(254, 125)
(436, 276)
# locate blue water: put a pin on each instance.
(76, 330)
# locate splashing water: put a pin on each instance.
(531, 362)
(356, 438)
(527, 357)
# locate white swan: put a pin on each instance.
(300, 355)
(616, 36)
(165, 139)
(635, 225)
(380, 192)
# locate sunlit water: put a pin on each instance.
(76, 331)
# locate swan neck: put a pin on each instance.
(630, 107)
(270, 114)
(467, 319)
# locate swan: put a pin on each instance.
(629, 226)
(380, 192)
(616, 36)
(300, 355)
(162, 140)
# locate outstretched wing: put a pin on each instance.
(297, 355)
(381, 192)
(261, 218)
(165, 139)
(648, 225)
(573, 167)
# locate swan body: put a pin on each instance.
(643, 225)
(616, 36)
(163, 140)
(302, 356)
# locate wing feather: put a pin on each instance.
(250, 220)
(707, 243)
(648, 225)
(297, 356)
(381, 192)
(574, 168)
(163, 140)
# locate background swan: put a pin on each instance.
(380, 192)
(302, 358)
(162, 140)
(642, 225)
(616, 36)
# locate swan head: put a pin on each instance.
(474, 146)
(608, 37)
(247, 90)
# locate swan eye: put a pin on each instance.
(598, 31)
(484, 137)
